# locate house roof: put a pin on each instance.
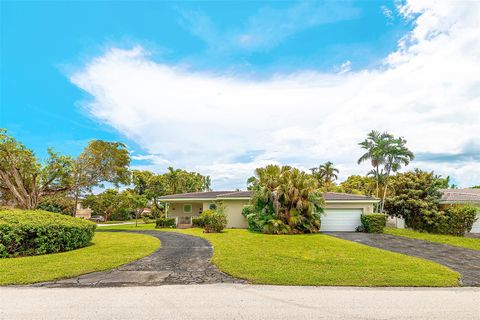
(213, 195)
(460, 196)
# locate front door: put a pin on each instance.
(184, 220)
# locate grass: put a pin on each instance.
(141, 226)
(108, 250)
(319, 260)
(314, 260)
(469, 243)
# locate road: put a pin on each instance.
(237, 301)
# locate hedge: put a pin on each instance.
(198, 222)
(213, 221)
(34, 232)
(373, 222)
(165, 223)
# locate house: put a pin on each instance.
(342, 211)
(462, 196)
(83, 212)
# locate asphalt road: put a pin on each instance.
(237, 301)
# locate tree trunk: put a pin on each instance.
(76, 204)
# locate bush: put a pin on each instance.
(373, 222)
(198, 222)
(165, 223)
(252, 218)
(456, 220)
(213, 221)
(34, 232)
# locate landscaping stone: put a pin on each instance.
(464, 261)
(181, 259)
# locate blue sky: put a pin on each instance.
(51, 89)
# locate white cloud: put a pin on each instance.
(268, 27)
(428, 91)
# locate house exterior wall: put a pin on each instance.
(233, 210)
(175, 209)
(83, 213)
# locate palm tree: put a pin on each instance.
(396, 156)
(387, 154)
(328, 173)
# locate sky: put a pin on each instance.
(225, 87)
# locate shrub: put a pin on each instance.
(34, 232)
(252, 218)
(146, 219)
(373, 222)
(198, 222)
(456, 220)
(165, 223)
(213, 221)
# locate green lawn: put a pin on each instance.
(108, 250)
(314, 260)
(318, 260)
(141, 226)
(469, 243)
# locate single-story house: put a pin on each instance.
(342, 211)
(462, 196)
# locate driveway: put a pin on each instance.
(464, 261)
(237, 301)
(181, 259)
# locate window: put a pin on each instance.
(187, 208)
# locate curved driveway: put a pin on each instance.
(181, 259)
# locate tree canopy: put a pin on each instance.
(26, 180)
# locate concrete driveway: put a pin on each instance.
(238, 301)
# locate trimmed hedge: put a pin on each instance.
(456, 220)
(165, 223)
(373, 222)
(34, 232)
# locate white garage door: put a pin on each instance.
(476, 225)
(341, 219)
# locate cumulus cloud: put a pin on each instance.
(427, 91)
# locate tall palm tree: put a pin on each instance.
(386, 154)
(396, 155)
(328, 173)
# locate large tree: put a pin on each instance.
(387, 155)
(26, 181)
(359, 185)
(174, 181)
(415, 196)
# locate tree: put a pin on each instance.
(359, 185)
(414, 197)
(26, 181)
(387, 155)
(326, 173)
(285, 200)
(112, 202)
(101, 161)
(104, 204)
(59, 202)
(174, 181)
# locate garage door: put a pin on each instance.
(476, 225)
(341, 219)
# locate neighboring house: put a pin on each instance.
(342, 211)
(83, 212)
(462, 196)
